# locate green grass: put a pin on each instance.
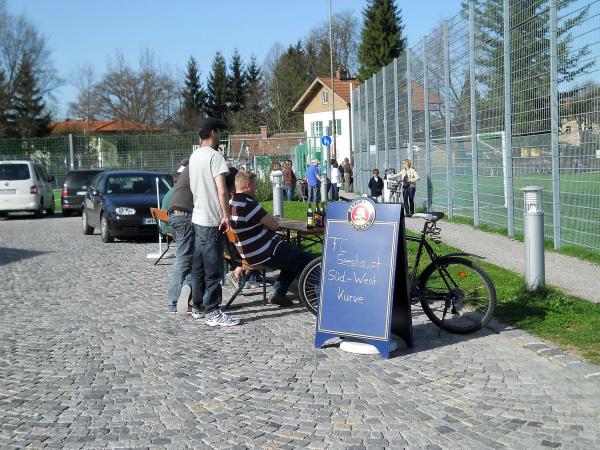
(567, 321)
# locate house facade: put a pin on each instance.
(316, 104)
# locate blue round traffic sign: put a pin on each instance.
(326, 140)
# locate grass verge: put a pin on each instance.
(569, 322)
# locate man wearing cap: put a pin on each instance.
(210, 219)
(313, 180)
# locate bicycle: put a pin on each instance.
(395, 189)
(455, 293)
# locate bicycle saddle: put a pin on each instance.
(432, 216)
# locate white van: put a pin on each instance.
(25, 186)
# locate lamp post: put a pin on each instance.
(533, 224)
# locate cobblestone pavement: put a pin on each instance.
(89, 358)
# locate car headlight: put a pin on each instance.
(122, 211)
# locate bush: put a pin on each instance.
(264, 190)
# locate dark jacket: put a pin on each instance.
(376, 187)
(289, 178)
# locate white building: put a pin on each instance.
(315, 103)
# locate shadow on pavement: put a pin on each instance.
(10, 255)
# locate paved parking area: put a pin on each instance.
(89, 358)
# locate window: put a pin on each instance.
(14, 172)
(568, 129)
(316, 129)
(325, 99)
(338, 127)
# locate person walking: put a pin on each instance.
(211, 219)
(409, 177)
(335, 182)
(376, 186)
(289, 180)
(313, 180)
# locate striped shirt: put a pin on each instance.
(256, 243)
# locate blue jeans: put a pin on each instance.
(335, 192)
(207, 268)
(288, 193)
(408, 195)
(183, 234)
(290, 260)
(314, 194)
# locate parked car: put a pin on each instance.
(119, 201)
(74, 190)
(25, 186)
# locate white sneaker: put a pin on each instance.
(197, 315)
(219, 319)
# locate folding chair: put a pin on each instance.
(160, 215)
(236, 258)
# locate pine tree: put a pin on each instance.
(194, 97)
(217, 88)
(381, 37)
(237, 83)
(27, 115)
(4, 105)
(252, 116)
(253, 74)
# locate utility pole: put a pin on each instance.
(333, 124)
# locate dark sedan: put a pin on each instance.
(74, 190)
(119, 201)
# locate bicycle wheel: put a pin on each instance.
(457, 295)
(309, 285)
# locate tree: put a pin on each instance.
(217, 88)
(4, 105)
(345, 45)
(20, 40)
(85, 106)
(145, 95)
(27, 115)
(193, 96)
(237, 83)
(382, 37)
(253, 114)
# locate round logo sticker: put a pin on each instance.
(361, 214)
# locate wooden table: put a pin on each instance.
(302, 233)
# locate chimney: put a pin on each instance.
(342, 74)
(264, 132)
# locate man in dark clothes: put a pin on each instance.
(376, 186)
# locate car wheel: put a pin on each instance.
(104, 231)
(87, 230)
(40, 211)
(50, 211)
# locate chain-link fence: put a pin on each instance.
(504, 95)
(158, 151)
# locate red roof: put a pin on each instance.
(341, 87)
(99, 126)
(278, 144)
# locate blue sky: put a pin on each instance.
(87, 32)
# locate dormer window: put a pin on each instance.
(325, 97)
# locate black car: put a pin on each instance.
(74, 190)
(119, 201)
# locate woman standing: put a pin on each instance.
(289, 180)
(409, 177)
(335, 182)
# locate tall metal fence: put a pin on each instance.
(503, 95)
(155, 151)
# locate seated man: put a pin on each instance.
(257, 241)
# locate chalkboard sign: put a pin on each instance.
(364, 291)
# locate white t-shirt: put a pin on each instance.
(205, 165)
(335, 175)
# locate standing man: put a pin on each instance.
(313, 180)
(348, 176)
(210, 219)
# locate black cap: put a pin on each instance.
(210, 123)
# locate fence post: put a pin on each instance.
(375, 130)
(386, 163)
(507, 144)
(554, 118)
(396, 110)
(427, 126)
(409, 149)
(368, 146)
(71, 162)
(449, 168)
(358, 157)
(474, 168)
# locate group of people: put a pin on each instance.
(339, 175)
(209, 199)
(408, 176)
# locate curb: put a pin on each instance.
(590, 372)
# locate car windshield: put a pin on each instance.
(14, 172)
(135, 185)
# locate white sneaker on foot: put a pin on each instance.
(219, 319)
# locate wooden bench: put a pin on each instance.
(160, 215)
(238, 260)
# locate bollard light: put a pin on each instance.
(277, 177)
(533, 224)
